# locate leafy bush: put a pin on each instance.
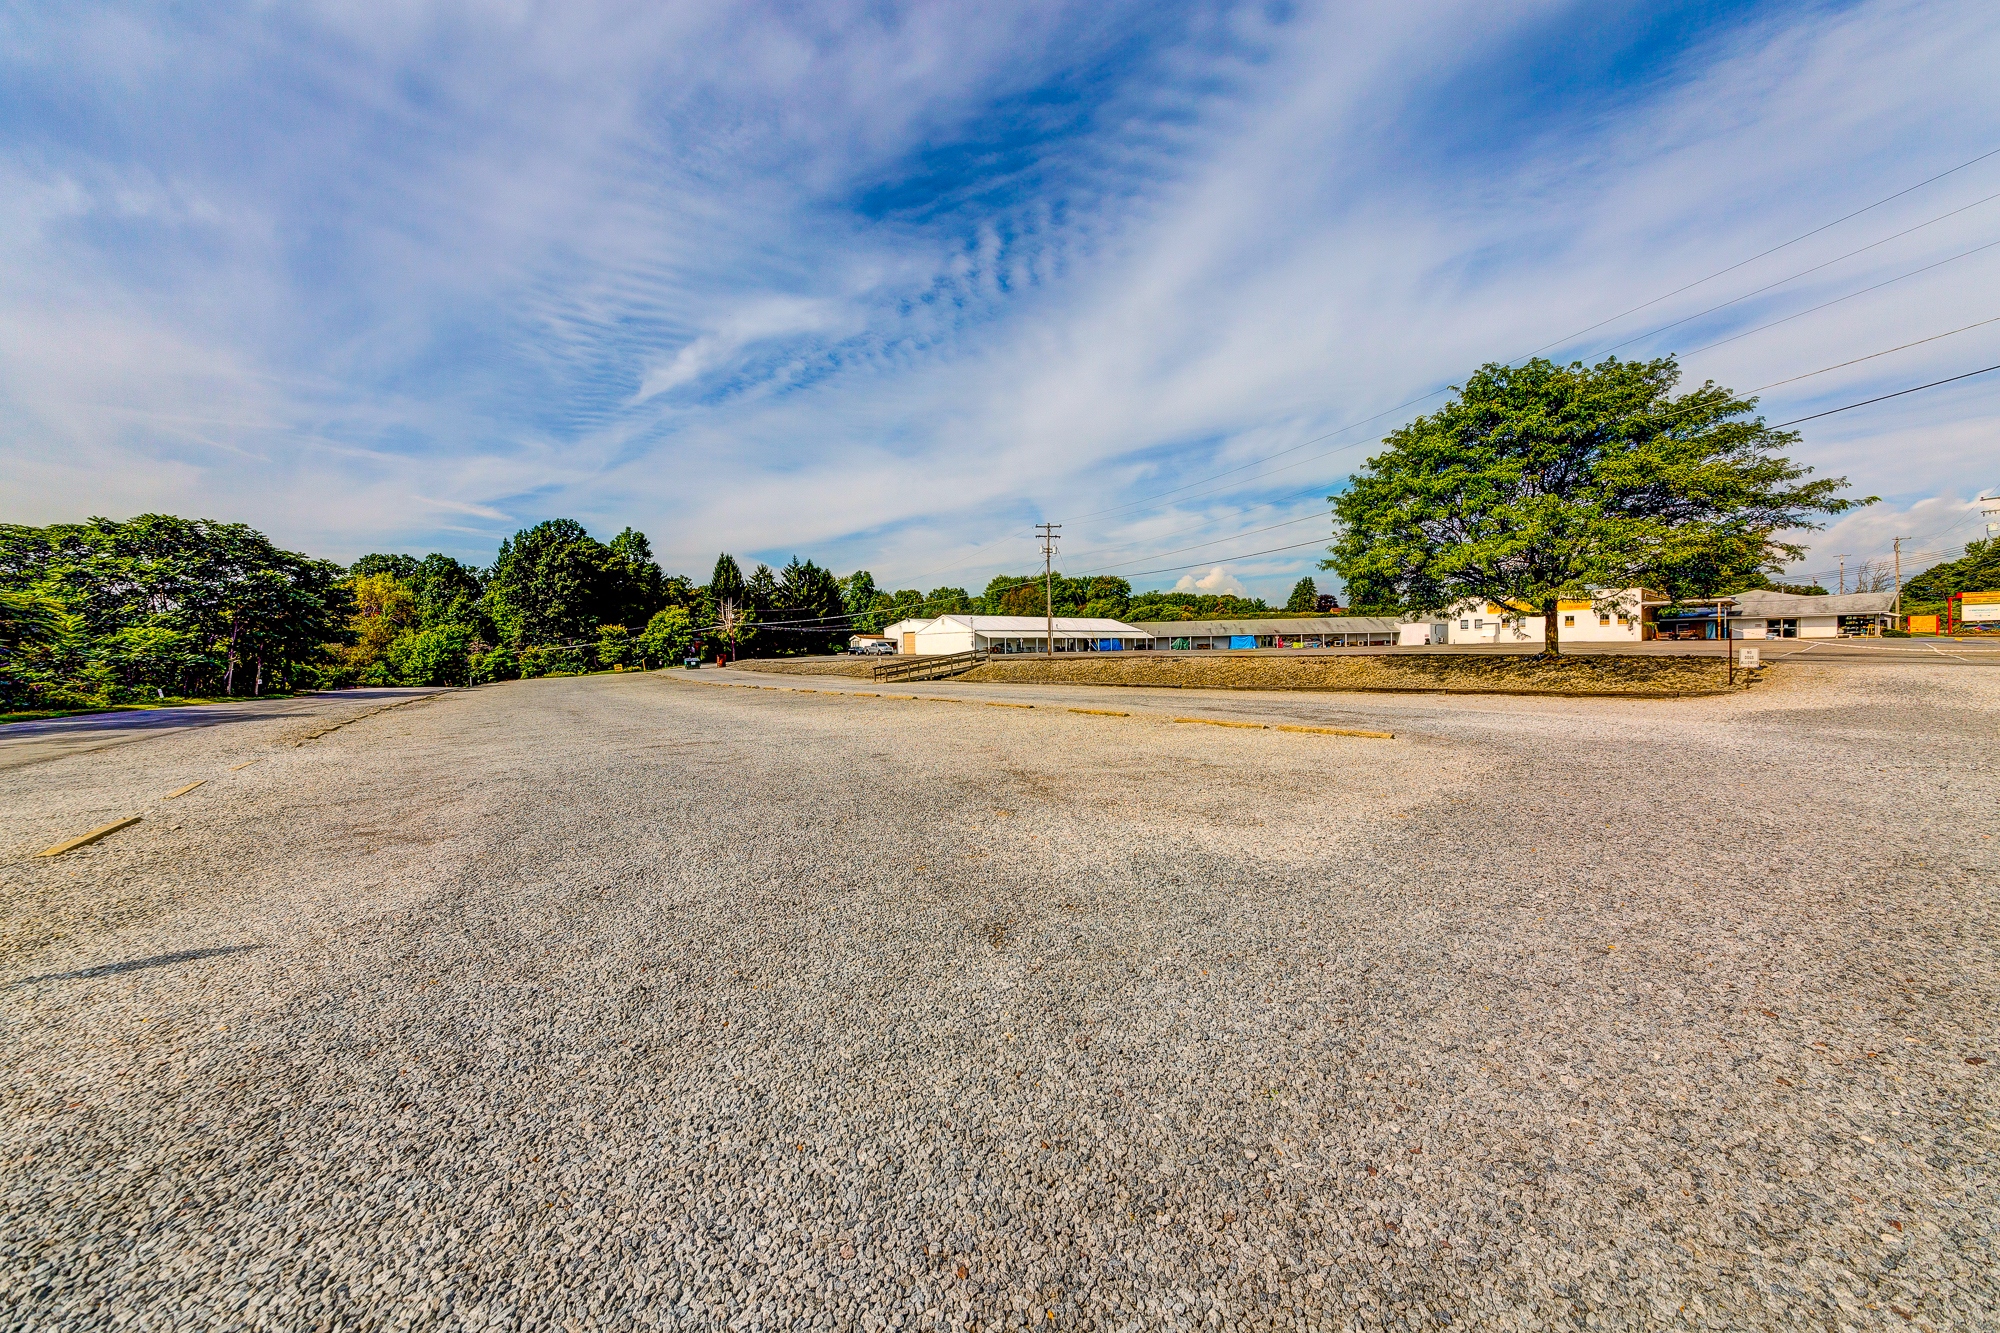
(667, 638)
(615, 646)
(499, 664)
(441, 655)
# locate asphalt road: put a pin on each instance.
(32, 742)
(642, 1002)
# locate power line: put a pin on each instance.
(1641, 337)
(1773, 250)
(1880, 398)
(1160, 495)
(1872, 355)
(1889, 282)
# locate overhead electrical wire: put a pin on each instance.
(1841, 365)
(1340, 430)
(1810, 310)
(1735, 300)
(1883, 398)
(1741, 263)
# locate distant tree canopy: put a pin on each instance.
(554, 584)
(725, 583)
(106, 610)
(1541, 482)
(1152, 606)
(1304, 598)
(1978, 570)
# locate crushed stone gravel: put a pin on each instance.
(611, 1003)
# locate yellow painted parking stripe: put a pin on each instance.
(182, 791)
(245, 764)
(1100, 712)
(1218, 722)
(1341, 731)
(90, 837)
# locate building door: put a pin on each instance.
(910, 642)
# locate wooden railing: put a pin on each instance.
(935, 667)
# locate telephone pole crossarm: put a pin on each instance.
(1048, 533)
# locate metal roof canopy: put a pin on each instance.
(1276, 626)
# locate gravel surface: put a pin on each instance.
(634, 1002)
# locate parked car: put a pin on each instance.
(874, 648)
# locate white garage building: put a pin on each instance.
(1014, 634)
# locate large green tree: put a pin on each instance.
(159, 601)
(810, 615)
(1978, 570)
(555, 584)
(1541, 482)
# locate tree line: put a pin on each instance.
(870, 609)
(110, 611)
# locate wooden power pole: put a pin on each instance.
(1048, 533)
(1898, 548)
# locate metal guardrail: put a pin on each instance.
(935, 667)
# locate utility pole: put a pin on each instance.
(1843, 571)
(1898, 549)
(1048, 533)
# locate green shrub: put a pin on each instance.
(440, 655)
(616, 647)
(499, 664)
(668, 637)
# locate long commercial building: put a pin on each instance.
(1014, 634)
(1286, 632)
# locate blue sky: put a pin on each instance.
(886, 285)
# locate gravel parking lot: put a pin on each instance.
(635, 1002)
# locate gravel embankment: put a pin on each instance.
(812, 666)
(1632, 676)
(615, 1002)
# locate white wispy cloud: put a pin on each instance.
(884, 285)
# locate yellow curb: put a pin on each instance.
(184, 790)
(1099, 712)
(992, 704)
(245, 764)
(90, 837)
(1341, 731)
(866, 694)
(1218, 722)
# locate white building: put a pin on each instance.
(1608, 617)
(1014, 634)
(1612, 616)
(1783, 615)
(1476, 621)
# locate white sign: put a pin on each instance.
(1749, 657)
(1971, 611)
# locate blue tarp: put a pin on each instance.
(1109, 645)
(1242, 641)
